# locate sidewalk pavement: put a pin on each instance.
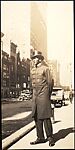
(18, 116)
(63, 130)
(8, 99)
(7, 142)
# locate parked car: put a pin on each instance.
(25, 95)
(22, 96)
(66, 95)
(57, 96)
(28, 95)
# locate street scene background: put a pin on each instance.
(29, 28)
(19, 116)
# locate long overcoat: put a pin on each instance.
(42, 88)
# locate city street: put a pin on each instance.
(14, 107)
(63, 131)
(37, 68)
(15, 115)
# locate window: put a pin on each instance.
(5, 57)
(4, 67)
(7, 68)
(28, 78)
(4, 74)
(17, 86)
(18, 78)
(4, 83)
(24, 76)
(12, 68)
(7, 76)
(18, 62)
(22, 65)
(24, 85)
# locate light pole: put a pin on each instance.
(70, 75)
(2, 34)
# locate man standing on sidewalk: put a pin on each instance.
(41, 104)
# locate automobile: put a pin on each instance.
(28, 95)
(57, 96)
(66, 95)
(21, 97)
(25, 95)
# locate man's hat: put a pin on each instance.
(37, 56)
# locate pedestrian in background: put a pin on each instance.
(71, 96)
(53, 116)
(52, 104)
(41, 103)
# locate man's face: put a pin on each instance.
(36, 61)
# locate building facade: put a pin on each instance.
(55, 70)
(36, 36)
(5, 75)
(13, 68)
(15, 73)
(38, 28)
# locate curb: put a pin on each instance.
(12, 139)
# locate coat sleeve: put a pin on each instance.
(31, 74)
(52, 84)
(50, 80)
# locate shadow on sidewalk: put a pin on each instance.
(57, 121)
(63, 133)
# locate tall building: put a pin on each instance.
(13, 67)
(55, 70)
(38, 28)
(58, 74)
(18, 74)
(5, 75)
(70, 76)
(15, 74)
(4, 71)
(31, 30)
(2, 34)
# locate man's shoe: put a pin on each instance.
(38, 141)
(51, 141)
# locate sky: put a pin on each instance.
(61, 37)
(14, 25)
(60, 31)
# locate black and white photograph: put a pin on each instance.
(37, 75)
